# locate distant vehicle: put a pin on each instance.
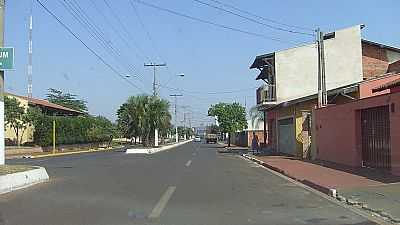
(197, 139)
(211, 138)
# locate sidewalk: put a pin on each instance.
(374, 191)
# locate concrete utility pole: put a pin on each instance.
(155, 94)
(154, 75)
(322, 93)
(184, 122)
(2, 144)
(30, 53)
(176, 118)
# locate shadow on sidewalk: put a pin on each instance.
(383, 176)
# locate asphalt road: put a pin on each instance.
(189, 185)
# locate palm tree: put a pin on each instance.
(256, 116)
(142, 114)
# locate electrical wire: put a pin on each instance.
(125, 29)
(94, 31)
(140, 57)
(262, 18)
(213, 23)
(86, 46)
(253, 20)
(150, 38)
(108, 44)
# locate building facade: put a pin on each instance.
(289, 93)
(46, 107)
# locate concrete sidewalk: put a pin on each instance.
(376, 192)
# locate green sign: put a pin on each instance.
(6, 58)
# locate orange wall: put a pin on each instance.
(367, 86)
(260, 135)
(338, 131)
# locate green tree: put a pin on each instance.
(141, 115)
(17, 118)
(66, 99)
(214, 129)
(231, 117)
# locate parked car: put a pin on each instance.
(197, 139)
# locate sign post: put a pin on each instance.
(2, 144)
(6, 58)
(6, 63)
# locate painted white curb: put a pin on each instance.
(154, 150)
(15, 181)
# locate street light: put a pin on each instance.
(176, 118)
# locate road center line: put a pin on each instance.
(188, 163)
(156, 212)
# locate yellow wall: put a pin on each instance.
(28, 133)
(296, 110)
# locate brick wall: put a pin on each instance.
(374, 60)
(394, 67)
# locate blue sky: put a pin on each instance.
(212, 59)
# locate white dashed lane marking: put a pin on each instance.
(156, 212)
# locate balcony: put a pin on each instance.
(266, 94)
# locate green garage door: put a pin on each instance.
(286, 138)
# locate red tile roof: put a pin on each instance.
(45, 103)
(388, 85)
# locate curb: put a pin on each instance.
(154, 150)
(365, 207)
(362, 209)
(68, 153)
(15, 181)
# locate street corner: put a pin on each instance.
(18, 178)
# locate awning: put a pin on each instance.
(259, 62)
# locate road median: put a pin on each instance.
(154, 150)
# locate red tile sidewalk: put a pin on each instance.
(315, 175)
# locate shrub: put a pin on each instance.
(72, 130)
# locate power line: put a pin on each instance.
(209, 93)
(150, 38)
(213, 23)
(260, 17)
(94, 31)
(85, 45)
(126, 30)
(115, 30)
(106, 44)
(253, 20)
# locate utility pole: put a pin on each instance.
(155, 94)
(30, 53)
(184, 122)
(154, 75)
(322, 93)
(2, 144)
(176, 118)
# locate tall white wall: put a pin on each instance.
(297, 68)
